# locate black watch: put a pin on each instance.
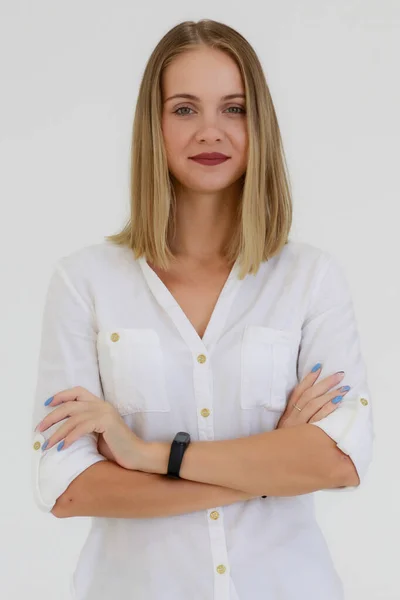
(178, 447)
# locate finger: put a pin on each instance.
(84, 427)
(314, 405)
(317, 391)
(304, 385)
(326, 384)
(77, 393)
(72, 430)
(326, 410)
(75, 396)
(61, 433)
(58, 414)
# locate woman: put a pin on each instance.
(184, 359)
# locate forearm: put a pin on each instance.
(284, 462)
(107, 490)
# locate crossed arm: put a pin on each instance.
(283, 462)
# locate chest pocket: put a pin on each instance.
(266, 358)
(132, 370)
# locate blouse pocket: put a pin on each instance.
(265, 360)
(132, 370)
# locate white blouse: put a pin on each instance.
(112, 326)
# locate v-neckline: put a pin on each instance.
(218, 316)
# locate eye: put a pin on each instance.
(239, 108)
(176, 112)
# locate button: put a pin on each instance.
(364, 401)
(37, 445)
(201, 358)
(114, 337)
(205, 412)
(214, 515)
(221, 569)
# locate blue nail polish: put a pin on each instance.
(315, 367)
(60, 445)
(337, 399)
(45, 445)
(48, 401)
(345, 388)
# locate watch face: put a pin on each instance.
(182, 437)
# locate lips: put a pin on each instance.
(210, 161)
(210, 155)
(210, 158)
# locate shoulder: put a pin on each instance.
(94, 258)
(301, 255)
(93, 267)
(321, 270)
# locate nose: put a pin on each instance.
(208, 135)
(209, 139)
(208, 130)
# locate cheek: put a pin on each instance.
(243, 145)
(175, 145)
(240, 136)
(176, 149)
(174, 136)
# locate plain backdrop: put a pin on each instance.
(70, 73)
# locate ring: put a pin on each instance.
(299, 409)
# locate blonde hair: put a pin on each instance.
(264, 214)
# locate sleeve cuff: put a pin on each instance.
(53, 470)
(350, 426)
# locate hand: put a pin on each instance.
(314, 400)
(104, 448)
(87, 413)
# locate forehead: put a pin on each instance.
(202, 72)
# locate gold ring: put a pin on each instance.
(299, 409)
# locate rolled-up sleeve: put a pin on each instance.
(330, 336)
(67, 358)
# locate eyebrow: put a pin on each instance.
(192, 97)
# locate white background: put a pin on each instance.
(70, 73)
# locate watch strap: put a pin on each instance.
(178, 448)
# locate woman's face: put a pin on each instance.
(209, 123)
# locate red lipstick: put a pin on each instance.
(210, 158)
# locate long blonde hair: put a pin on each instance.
(264, 215)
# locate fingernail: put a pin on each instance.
(345, 388)
(45, 445)
(315, 367)
(337, 399)
(48, 401)
(60, 445)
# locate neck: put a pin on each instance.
(204, 224)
